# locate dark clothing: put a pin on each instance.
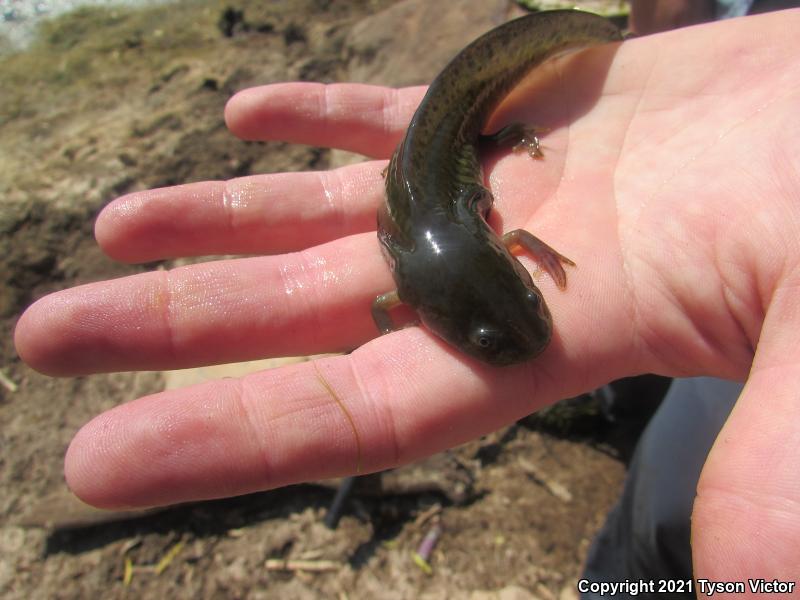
(646, 535)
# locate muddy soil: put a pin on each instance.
(113, 100)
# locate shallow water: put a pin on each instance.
(18, 18)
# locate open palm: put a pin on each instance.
(671, 177)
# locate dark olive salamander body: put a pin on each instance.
(448, 264)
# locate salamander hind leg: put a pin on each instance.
(521, 136)
(548, 259)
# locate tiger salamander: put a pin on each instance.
(448, 264)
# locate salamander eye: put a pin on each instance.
(534, 298)
(484, 338)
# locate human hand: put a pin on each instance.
(674, 188)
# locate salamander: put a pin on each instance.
(448, 264)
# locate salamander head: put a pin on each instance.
(515, 340)
(468, 289)
(498, 324)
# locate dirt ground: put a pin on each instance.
(114, 100)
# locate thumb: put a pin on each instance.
(746, 520)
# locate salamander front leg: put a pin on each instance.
(380, 310)
(548, 259)
(522, 136)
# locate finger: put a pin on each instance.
(303, 303)
(746, 516)
(262, 214)
(361, 118)
(347, 414)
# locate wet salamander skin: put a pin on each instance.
(447, 263)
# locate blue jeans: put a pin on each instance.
(646, 535)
